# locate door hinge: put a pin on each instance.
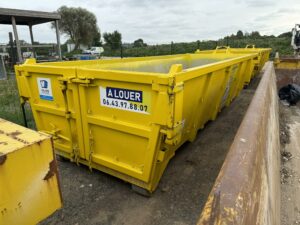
(174, 134)
(84, 81)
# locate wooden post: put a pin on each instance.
(58, 39)
(13, 20)
(32, 40)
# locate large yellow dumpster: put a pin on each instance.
(259, 61)
(29, 188)
(262, 58)
(127, 117)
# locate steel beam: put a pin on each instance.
(32, 40)
(58, 39)
(14, 25)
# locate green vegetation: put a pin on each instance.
(139, 43)
(72, 53)
(113, 40)
(280, 43)
(10, 108)
(80, 25)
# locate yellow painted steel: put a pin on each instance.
(259, 61)
(29, 188)
(127, 117)
(287, 63)
(262, 58)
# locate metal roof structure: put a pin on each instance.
(30, 18)
(27, 17)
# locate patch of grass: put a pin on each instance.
(10, 108)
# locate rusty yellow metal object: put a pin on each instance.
(127, 117)
(291, 63)
(247, 189)
(287, 70)
(29, 188)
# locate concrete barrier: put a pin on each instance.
(247, 189)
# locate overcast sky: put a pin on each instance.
(162, 21)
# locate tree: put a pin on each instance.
(286, 34)
(255, 34)
(247, 34)
(239, 34)
(97, 39)
(114, 39)
(79, 25)
(139, 43)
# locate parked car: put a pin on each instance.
(93, 51)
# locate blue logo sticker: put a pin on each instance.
(45, 89)
(44, 83)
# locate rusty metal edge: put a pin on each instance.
(247, 189)
(291, 63)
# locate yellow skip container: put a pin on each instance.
(126, 117)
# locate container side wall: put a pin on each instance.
(55, 106)
(247, 188)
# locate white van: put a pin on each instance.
(94, 51)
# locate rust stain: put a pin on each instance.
(57, 177)
(239, 189)
(2, 158)
(15, 134)
(287, 76)
(3, 211)
(215, 209)
(52, 170)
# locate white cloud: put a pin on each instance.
(162, 21)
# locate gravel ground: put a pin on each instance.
(290, 164)
(97, 198)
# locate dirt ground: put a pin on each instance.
(97, 198)
(290, 164)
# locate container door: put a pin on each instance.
(55, 105)
(116, 117)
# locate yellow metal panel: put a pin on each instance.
(259, 61)
(54, 108)
(29, 188)
(287, 63)
(127, 117)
